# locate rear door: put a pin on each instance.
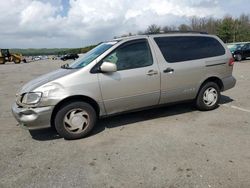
(136, 84)
(183, 62)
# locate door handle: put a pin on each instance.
(152, 72)
(168, 70)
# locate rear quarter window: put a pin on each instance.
(186, 48)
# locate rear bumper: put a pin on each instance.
(32, 118)
(228, 83)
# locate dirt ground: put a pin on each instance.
(174, 146)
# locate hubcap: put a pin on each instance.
(210, 96)
(76, 120)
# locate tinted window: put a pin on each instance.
(247, 47)
(185, 48)
(131, 55)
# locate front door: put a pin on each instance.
(136, 84)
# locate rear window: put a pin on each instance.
(186, 48)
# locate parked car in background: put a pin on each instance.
(53, 57)
(127, 74)
(45, 57)
(36, 58)
(240, 50)
(69, 56)
(235, 46)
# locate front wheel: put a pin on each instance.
(238, 57)
(208, 97)
(17, 61)
(75, 120)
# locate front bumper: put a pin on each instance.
(32, 118)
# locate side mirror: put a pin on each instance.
(108, 67)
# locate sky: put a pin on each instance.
(78, 23)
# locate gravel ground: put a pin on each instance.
(174, 146)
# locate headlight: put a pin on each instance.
(31, 98)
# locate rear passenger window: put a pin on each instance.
(186, 48)
(131, 55)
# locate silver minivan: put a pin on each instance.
(127, 74)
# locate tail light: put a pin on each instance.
(231, 61)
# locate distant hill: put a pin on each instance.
(51, 51)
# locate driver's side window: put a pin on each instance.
(131, 55)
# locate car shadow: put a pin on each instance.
(140, 116)
(225, 99)
(44, 134)
(126, 119)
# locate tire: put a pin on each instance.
(2, 63)
(208, 97)
(17, 61)
(238, 57)
(75, 120)
(2, 60)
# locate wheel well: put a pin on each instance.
(215, 80)
(82, 98)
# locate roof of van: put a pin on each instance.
(162, 34)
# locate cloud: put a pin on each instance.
(38, 12)
(43, 23)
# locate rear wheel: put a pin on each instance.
(75, 120)
(208, 97)
(2, 60)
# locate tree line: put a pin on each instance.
(52, 51)
(229, 29)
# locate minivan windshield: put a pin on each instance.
(90, 56)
